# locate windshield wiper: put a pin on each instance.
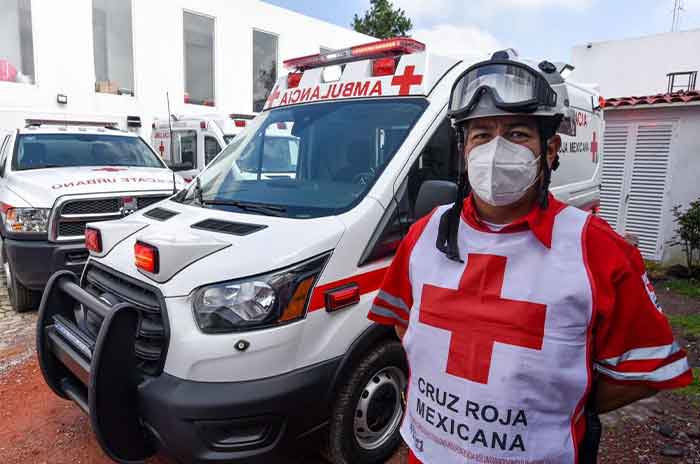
(268, 210)
(198, 190)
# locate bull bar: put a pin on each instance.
(99, 375)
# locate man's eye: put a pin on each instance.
(519, 135)
(483, 136)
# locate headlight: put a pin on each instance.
(257, 302)
(28, 220)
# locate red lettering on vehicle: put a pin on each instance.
(377, 88)
(361, 89)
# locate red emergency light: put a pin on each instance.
(239, 123)
(383, 67)
(202, 125)
(293, 80)
(381, 49)
(146, 257)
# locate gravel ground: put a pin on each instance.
(37, 427)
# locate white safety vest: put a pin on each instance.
(498, 346)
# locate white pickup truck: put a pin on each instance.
(53, 180)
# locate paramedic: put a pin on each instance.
(521, 317)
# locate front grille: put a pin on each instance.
(105, 206)
(75, 214)
(69, 229)
(151, 337)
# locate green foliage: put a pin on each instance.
(688, 232)
(690, 287)
(689, 323)
(383, 21)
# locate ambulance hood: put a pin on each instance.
(41, 187)
(192, 255)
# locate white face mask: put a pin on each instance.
(501, 172)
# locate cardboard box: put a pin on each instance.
(106, 87)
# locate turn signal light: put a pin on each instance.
(93, 240)
(146, 257)
(342, 297)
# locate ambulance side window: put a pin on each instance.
(186, 145)
(211, 149)
(437, 161)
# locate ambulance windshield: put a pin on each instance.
(310, 160)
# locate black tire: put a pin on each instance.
(21, 298)
(343, 445)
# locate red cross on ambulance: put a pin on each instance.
(407, 79)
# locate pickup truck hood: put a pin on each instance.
(192, 256)
(41, 187)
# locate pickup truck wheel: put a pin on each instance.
(21, 298)
(368, 409)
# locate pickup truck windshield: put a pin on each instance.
(307, 161)
(38, 151)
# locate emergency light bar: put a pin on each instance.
(382, 49)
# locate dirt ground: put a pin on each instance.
(37, 427)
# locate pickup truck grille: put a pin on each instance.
(151, 337)
(73, 215)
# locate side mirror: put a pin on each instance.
(434, 193)
(180, 166)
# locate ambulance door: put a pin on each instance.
(438, 160)
(186, 151)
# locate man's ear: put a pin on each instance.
(553, 146)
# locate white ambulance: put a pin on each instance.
(56, 177)
(229, 323)
(197, 139)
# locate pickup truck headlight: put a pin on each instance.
(26, 220)
(257, 302)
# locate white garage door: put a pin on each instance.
(635, 178)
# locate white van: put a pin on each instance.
(230, 321)
(198, 139)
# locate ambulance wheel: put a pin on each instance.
(368, 409)
(21, 298)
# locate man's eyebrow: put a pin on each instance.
(526, 124)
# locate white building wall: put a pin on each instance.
(684, 164)
(63, 54)
(636, 66)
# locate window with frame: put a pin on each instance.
(438, 160)
(264, 67)
(113, 46)
(211, 149)
(198, 33)
(16, 42)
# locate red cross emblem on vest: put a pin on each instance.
(478, 317)
(406, 80)
(594, 149)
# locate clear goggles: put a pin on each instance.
(513, 86)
